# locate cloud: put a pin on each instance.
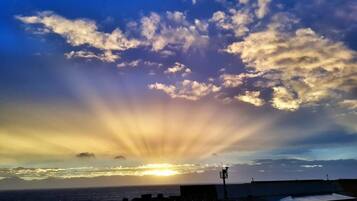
(167, 53)
(133, 63)
(169, 89)
(263, 8)
(302, 49)
(173, 31)
(236, 21)
(149, 25)
(349, 103)
(85, 155)
(187, 89)
(80, 32)
(251, 97)
(176, 16)
(91, 172)
(201, 25)
(239, 20)
(243, 1)
(236, 80)
(139, 62)
(107, 56)
(310, 69)
(152, 63)
(283, 99)
(178, 68)
(263, 169)
(120, 157)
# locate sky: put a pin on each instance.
(99, 93)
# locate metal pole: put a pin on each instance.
(224, 176)
(225, 189)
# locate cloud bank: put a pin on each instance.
(310, 69)
(81, 32)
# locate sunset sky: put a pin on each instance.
(168, 91)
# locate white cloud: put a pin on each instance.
(173, 31)
(283, 99)
(133, 63)
(176, 16)
(178, 68)
(235, 20)
(82, 32)
(152, 63)
(169, 89)
(201, 25)
(149, 25)
(263, 8)
(309, 68)
(311, 166)
(231, 80)
(107, 56)
(235, 80)
(187, 89)
(251, 97)
(137, 62)
(303, 49)
(239, 20)
(167, 53)
(220, 18)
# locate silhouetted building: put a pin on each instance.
(274, 190)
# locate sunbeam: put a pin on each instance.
(143, 129)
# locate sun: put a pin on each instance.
(161, 170)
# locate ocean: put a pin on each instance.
(87, 194)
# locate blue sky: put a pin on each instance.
(176, 82)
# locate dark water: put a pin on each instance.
(87, 194)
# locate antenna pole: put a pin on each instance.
(224, 175)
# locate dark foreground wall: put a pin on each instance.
(269, 190)
(349, 186)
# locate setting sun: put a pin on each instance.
(161, 172)
(161, 169)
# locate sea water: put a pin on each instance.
(87, 194)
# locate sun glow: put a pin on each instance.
(161, 169)
(161, 172)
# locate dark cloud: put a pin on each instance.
(120, 157)
(85, 155)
